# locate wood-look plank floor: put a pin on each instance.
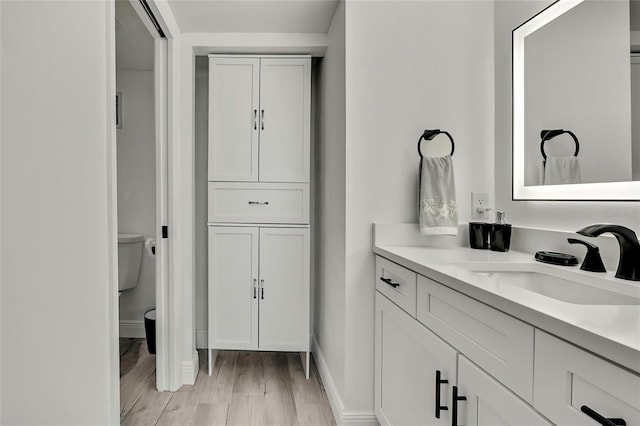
(245, 389)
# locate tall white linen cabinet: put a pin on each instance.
(258, 204)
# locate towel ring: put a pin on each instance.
(550, 134)
(430, 134)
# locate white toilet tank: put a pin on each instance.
(129, 260)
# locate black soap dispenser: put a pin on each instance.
(500, 234)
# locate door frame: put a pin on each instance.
(167, 359)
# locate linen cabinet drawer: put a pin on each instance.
(397, 283)
(235, 202)
(498, 343)
(573, 387)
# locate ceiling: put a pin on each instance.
(254, 16)
(134, 44)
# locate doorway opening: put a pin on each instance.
(142, 176)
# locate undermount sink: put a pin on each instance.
(535, 278)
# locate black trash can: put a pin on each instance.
(150, 330)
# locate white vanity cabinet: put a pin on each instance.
(259, 119)
(259, 288)
(440, 330)
(509, 372)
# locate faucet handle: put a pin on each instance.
(592, 261)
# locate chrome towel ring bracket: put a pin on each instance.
(430, 134)
(550, 134)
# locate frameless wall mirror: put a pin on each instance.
(576, 102)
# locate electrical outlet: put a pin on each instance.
(480, 205)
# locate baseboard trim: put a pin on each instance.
(132, 329)
(342, 416)
(190, 370)
(202, 339)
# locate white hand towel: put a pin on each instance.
(438, 213)
(562, 170)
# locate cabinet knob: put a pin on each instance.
(454, 401)
(262, 120)
(259, 203)
(255, 119)
(439, 382)
(604, 421)
(255, 286)
(261, 289)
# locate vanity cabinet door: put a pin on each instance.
(568, 378)
(488, 403)
(407, 359)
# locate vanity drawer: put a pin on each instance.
(397, 283)
(568, 378)
(236, 202)
(498, 343)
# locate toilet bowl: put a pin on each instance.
(129, 260)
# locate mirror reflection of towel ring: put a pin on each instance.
(550, 134)
(430, 134)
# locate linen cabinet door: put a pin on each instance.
(487, 402)
(233, 287)
(233, 119)
(285, 131)
(284, 289)
(414, 370)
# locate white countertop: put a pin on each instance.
(612, 332)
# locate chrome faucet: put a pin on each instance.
(629, 264)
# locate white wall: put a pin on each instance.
(577, 78)
(409, 66)
(329, 224)
(137, 187)
(58, 247)
(569, 216)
